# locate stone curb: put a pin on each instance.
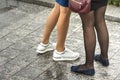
(112, 18)
(42, 3)
(50, 5)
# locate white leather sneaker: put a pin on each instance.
(42, 48)
(66, 55)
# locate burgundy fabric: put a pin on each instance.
(80, 6)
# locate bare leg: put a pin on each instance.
(50, 23)
(62, 54)
(62, 27)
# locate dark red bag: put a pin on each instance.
(80, 6)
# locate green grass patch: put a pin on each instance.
(114, 2)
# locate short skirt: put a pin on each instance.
(98, 3)
(63, 3)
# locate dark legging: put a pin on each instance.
(92, 21)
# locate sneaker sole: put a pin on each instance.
(42, 52)
(65, 59)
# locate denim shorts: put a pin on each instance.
(63, 3)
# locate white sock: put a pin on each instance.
(59, 52)
(44, 44)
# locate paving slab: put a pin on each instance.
(19, 61)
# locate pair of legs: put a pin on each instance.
(95, 20)
(59, 16)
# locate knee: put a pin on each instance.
(100, 22)
(88, 25)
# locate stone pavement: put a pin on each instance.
(20, 32)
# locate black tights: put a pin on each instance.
(91, 21)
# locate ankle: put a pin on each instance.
(44, 44)
(45, 41)
(89, 66)
(59, 52)
(60, 49)
(104, 57)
